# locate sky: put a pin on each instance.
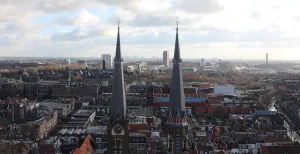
(227, 29)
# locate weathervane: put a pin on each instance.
(177, 23)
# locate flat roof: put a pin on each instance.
(83, 112)
(187, 99)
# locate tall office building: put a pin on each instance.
(166, 58)
(107, 59)
(117, 127)
(177, 124)
(267, 58)
(202, 62)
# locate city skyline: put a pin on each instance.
(214, 29)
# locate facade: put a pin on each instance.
(21, 112)
(17, 147)
(62, 107)
(107, 58)
(166, 58)
(40, 128)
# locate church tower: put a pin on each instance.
(177, 125)
(117, 127)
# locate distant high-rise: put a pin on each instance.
(267, 58)
(166, 58)
(202, 62)
(107, 59)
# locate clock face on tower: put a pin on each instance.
(118, 129)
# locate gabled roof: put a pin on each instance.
(87, 147)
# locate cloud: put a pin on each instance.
(199, 6)
(144, 20)
(256, 16)
(77, 34)
(207, 27)
(82, 18)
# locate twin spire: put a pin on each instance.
(177, 98)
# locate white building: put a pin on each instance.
(108, 60)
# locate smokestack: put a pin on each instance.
(267, 58)
(103, 64)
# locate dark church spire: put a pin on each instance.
(118, 56)
(118, 100)
(177, 98)
(177, 49)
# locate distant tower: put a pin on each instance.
(202, 62)
(107, 59)
(267, 58)
(166, 58)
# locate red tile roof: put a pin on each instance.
(87, 147)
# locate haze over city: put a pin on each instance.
(231, 29)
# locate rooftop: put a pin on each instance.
(187, 99)
(83, 113)
(280, 149)
(137, 120)
(146, 112)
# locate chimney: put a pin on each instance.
(103, 64)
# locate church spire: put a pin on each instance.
(177, 98)
(118, 56)
(118, 100)
(177, 49)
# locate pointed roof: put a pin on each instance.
(177, 98)
(118, 99)
(177, 48)
(118, 55)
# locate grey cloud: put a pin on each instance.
(20, 27)
(222, 35)
(64, 21)
(199, 6)
(297, 18)
(211, 34)
(4, 41)
(150, 20)
(143, 39)
(256, 16)
(64, 5)
(77, 34)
